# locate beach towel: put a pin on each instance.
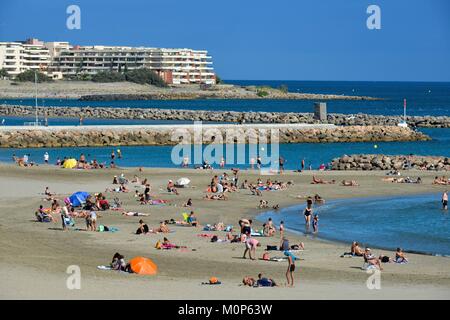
(104, 267)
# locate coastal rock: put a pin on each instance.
(77, 136)
(382, 162)
(221, 116)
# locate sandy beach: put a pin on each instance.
(35, 255)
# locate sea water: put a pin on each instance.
(415, 223)
(314, 154)
(423, 98)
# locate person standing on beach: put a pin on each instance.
(281, 164)
(252, 163)
(222, 163)
(81, 120)
(302, 165)
(291, 268)
(46, 157)
(113, 155)
(119, 154)
(258, 162)
(445, 200)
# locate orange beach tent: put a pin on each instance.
(141, 265)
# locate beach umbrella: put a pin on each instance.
(183, 182)
(70, 163)
(141, 265)
(78, 198)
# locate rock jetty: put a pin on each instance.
(386, 162)
(82, 136)
(221, 116)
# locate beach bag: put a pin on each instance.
(214, 239)
(385, 259)
(228, 229)
(158, 245)
(271, 248)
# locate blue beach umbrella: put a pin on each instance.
(78, 198)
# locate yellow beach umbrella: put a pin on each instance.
(70, 163)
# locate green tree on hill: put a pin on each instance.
(145, 76)
(29, 76)
(4, 74)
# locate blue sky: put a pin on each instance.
(263, 40)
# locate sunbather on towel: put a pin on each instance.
(134, 214)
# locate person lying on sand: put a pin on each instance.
(441, 181)
(349, 183)
(265, 282)
(219, 196)
(322, 181)
(120, 188)
(134, 214)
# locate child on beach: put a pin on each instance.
(315, 223)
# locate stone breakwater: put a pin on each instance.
(64, 136)
(220, 116)
(386, 162)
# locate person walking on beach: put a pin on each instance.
(445, 200)
(222, 163)
(308, 213)
(302, 165)
(258, 162)
(46, 157)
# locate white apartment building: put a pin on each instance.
(17, 57)
(60, 59)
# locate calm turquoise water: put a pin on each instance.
(424, 98)
(313, 153)
(416, 223)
